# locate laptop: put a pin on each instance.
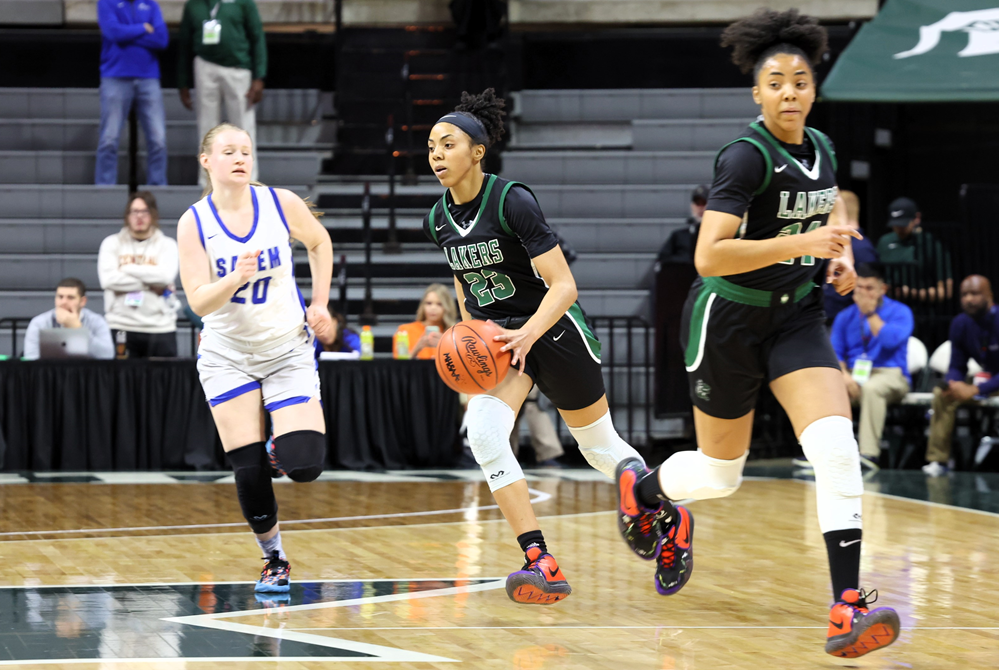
(64, 343)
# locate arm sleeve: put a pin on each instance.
(184, 53)
(111, 278)
(897, 329)
(160, 37)
(258, 41)
(163, 273)
(31, 337)
(958, 368)
(838, 336)
(113, 29)
(524, 216)
(740, 170)
(101, 345)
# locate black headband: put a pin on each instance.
(469, 124)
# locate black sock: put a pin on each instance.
(532, 538)
(844, 559)
(649, 493)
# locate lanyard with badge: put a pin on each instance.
(212, 29)
(863, 365)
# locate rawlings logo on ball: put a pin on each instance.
(451, 368)
(475, 357)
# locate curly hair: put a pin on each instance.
(488, 109)
(767, 32)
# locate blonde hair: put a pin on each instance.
(852, 203)
(206, 148)
(450, 307)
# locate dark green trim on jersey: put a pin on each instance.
(502, 216)
(818, 143)
(766, 157)
(433, 223)
(824, 141)
(482, 207)
(575, 313)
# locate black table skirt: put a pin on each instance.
(152, 415)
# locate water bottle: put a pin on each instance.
(401, 345)
(367, 344)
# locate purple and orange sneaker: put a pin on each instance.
(539, 582)
(854, 630)
(675, 560)
(275, 577)
(276, 470)
(641, 527)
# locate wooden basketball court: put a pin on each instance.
(407, 570)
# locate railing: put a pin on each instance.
(19, 324)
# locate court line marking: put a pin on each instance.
(222, 621)
(539, 497)
(930, 503)
(639, 628)
(225, 659)
(249, 581)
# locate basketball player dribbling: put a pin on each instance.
(256, 352)
(755, 316)
(508, 268)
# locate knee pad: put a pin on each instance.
(695, 476)
(301, 453)
(601, 446)
(253, 486)
(832, 450)
(490, 421)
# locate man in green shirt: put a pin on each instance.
(225, 39)
(916, 264)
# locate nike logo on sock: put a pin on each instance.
(847, 544)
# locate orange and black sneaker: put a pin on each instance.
(854, 630)
(675, 560)
(641, 527)
(539, 582)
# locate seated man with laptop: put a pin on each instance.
(70, 330)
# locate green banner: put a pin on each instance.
(921, 51)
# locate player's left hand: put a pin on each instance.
(842, 275)
(319, 320)
(518, 342)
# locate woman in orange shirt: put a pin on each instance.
(438, 309)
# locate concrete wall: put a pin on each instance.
(30, 12)
(522, 12)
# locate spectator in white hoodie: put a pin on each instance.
(137, 267)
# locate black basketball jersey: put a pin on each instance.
(792, 199)
(488, 257)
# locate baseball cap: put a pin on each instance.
(901, 211)
(700, 193)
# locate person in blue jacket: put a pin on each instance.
(133, 33)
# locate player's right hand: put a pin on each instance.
(827, 241)
(246, 266)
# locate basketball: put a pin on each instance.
(468, 360)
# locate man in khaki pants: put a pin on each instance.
(225, 39)
(871, 339)
(973, 335)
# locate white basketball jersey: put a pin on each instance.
(268, 310)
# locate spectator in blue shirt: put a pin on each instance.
(863, 252)
(340, 339)
(871, 341)
(973, 335)
(132, 34)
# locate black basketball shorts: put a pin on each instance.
(565, 362)
(735, 338)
